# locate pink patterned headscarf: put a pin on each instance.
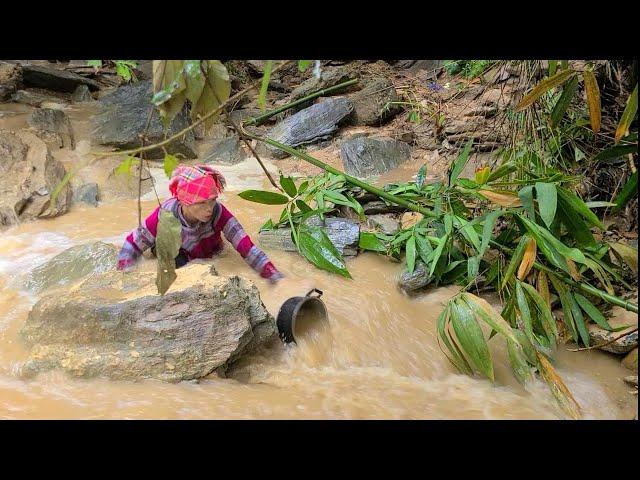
(193, 184)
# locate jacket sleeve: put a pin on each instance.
(139, 240)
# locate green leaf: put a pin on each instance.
(502, 171)
(94, 63)
(448, 223)
(422, 174)
(518, 361)
(579, 319)
(563, 102)
(563, 293)
(437, 253)
(126, 164)
(168, 242)
(471, 338)
(525, 313)
(458, 359)
(553, 66)
(627, 254)
(195, 80)
(616, 151)
(526, 197)
(487, 230)
(424, 248)
(548, 323)
(553, 249)
(288, 185)
(599, 204)
(482, 308)
(266, 77)
(264, 197)
(460, 162)
(304, 64)
(369, 241)
(304, 208)
(629, 191)
(123, 71)
(591, 310)
(576, 227)
(411, 253)
(315, 246)
(516, 258)
(303, 187)
(628, 115)
(543, 87)
(547, 201)
(593, 99)
(170, 163)
(268, 225)
(466, 183)
(168, 87)
(579, 207)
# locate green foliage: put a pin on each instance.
(467, 68)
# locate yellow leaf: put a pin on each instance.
(503, 198)
(543, 287)
(628, 115)
(543, 87)
(628, 254)
(558, 388)
(409, 219)
(527, 259)
(482, 174)
(573, 270)
(593, 99)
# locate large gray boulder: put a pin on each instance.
(53, 121)
(115, 325)
(373, 105)
(73, 264)
(364, 157)
(55, 79)
(123, 116)
(310, 125)
(28, 177)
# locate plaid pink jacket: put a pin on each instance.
(200, 241)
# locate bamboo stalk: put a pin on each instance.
(261, 118)
(354, 181)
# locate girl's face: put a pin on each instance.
(201, 211)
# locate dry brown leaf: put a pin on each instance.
(528, 258)
(504, 199)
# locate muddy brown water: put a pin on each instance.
(378, 358)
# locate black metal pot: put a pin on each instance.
(297, 307)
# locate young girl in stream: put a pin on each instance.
(195, 190)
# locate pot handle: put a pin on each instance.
(319, 292)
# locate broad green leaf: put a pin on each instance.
(268, 225)
(578, 319)
(466, 183)
(591, 310)
(579, 207)
(437, 253)
(501, 171)
(316, 247)
(567, 318)
(628, 115)
(336, 197)
(558, 388)
(471, 338)
(411, 253)
(303, 187)
(547, 201)
(288, 185)
(424, 248)
(168, 88)
(448, 224)
(266, 77)
(576, 227)
(215, 92)
(369, 241)
(487, 230)
(467, 230)
(422, 174)
(170, 163)
(168, 242)
(195, 80)
(526, 196)
(473, 267)
(556, 251)
(564, 101)
(518, 361)
(593, 99)
(125, 165)
(460, 162)
(543, 87)
(629, 191)
(264, 197)
(628, 254)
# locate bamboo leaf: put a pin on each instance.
(593, 99)
(547, 201)
(616, 151)
(487, 230)
(558, 388)
(471, 338)
(579, 207)
(628, 115)
(194, 80)
(627, 254)
(316, 247)
(288, 186)
(553, 65)
(563, 102)
(525, 313)
(437, 253)
(304, 64)
(526, 196)
(542, 286)
(411, 253)
(518, 361)
(424, 248)
(567, 318)
(579, 319)
(516, 258)
(502, 171)
(169, 164)
(460, 162)
(458, 359)
(503, 198)
(422, 175)
(369, 241)
(576, 227)
(264, 197)
(591, 310)
(629, 191)
(543, 87)
(482, 308)
(548, 323)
